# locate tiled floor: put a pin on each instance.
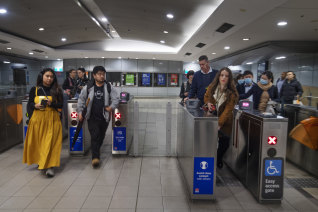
(124, 184)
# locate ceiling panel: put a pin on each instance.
(60, 18)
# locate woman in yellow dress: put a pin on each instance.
(43, 141)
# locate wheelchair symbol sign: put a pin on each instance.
(273, 167)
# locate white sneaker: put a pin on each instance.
(50, 172)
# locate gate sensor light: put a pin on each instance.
(272, 140)
(117, 115)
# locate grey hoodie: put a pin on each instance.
(114, 96)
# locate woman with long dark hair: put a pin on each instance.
(43, 141)
(81, 81)
(221, 97)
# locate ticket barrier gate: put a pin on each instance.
(197, 140)
(25, 117)
(122, 125)
(257, 153)
(82, 144)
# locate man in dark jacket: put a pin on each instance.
(201, 79)
(290, 89)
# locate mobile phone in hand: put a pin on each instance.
(44, 102)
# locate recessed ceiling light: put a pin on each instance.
(103, 57)
(226, 47)
(86, 57)
(137, 58)
(113, 31)
(245, 39)
(6, 61)
(279, 58)
(46, 56)
(166, 32)
(170, 16)
(59, 59)
(3, 11)
(162, 41)
(282, 23)
(119, 57)
(31, 53)
(41, 29)
(213, 53)
(104, 19)
(249, 63)
(153, 58)
(63, 39)
(9, 48)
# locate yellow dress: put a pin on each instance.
(43, 141)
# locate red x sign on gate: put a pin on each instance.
(73, 115)
(272, 140)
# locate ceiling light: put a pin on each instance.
(31, 53)
(166, 32)
(59, 59)
(137, 58)
(153, 58)
(119, 57)
(249, 63)
(86, 57)
(245, 39)
(282, 23)
(3, 11)
(226, 47)
(103, 57)
(113, 31)
(9, 48)
(46, 56)
(279, 58)
(104, 19)
(63, 39)
(6, 61)
(170, 16)
(162, 41)
(41, 29)
(213, 53)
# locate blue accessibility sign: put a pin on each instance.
(203, 175)
(119, 138)
(78, 146)
(273, 167)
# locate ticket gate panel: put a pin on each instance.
(82, 144)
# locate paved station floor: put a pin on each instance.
(127, 184)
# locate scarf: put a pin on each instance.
(219, 97)
(264, 97)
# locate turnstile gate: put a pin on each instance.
(197, 134)
(257, 153)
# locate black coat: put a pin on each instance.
(184, 89)
(256, 91)
(290, 89)
(240, 88)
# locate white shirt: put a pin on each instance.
(208, 72)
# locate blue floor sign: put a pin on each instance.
(119, 139)
(203, 175)
(79, 142)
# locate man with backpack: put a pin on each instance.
(103, 98)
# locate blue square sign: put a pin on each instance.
(203, 175)
(273, 167)
(119, 139)
(79, 142)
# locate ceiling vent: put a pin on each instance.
(37, 50)
(200, 45)
(4, 41)
(188, 53)
(224, 27)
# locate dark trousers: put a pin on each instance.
(224, 142)
(97, 129)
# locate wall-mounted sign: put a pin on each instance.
(145, 79)
(161, 79)
(130, 79)
(174, 79)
